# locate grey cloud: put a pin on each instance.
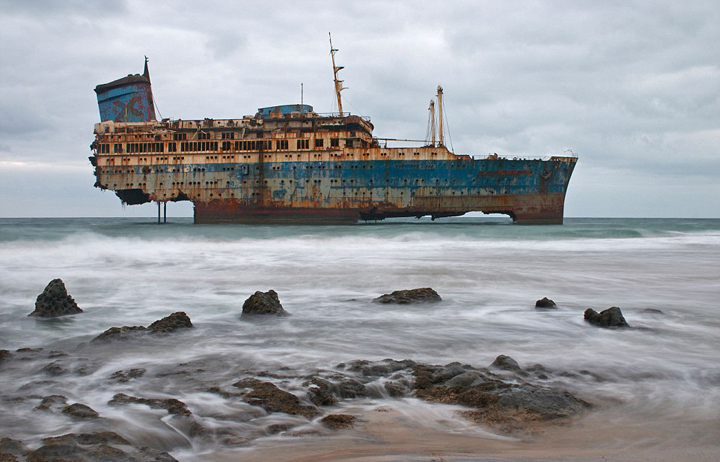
(633, 87)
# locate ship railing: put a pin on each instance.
(344, 114)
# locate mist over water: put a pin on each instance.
(488, 272)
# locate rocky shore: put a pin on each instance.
(504, 397)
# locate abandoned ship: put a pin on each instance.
(289, 164)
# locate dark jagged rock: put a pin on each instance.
(404, 297)
(506, 363)
(327, 391)
(263, 303)
(545, 303)
(181, 416)
(338, 421)
(52, 403)
(55, 301)
(88, 438)
(321, 393)
(273, 399)
(92, 447)
(612, 317)
(120, 333)
(5, 355)
(349, 389)
(172, 405)
(80, 411)
(126, 376)
(396, 389)
(29, 350)
(168, 324)
(377, 368)
(54, 368)
(507, 405)
(11, 450)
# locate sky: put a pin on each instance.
(631, 87)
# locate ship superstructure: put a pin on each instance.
(289, 164)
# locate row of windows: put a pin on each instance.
(193, 146)
(141, 147)
(247, 145)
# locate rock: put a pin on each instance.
(87, 438)
(545, 303)
(263, 303)
(54, 368)
(119, 333)
(612, 317)
(338, 421)
(273, 399)
(92, 447)
(11, 450)
(55, 301)
(508, 406)
(126, 376)
(52, 403)
(396, 389)
(80, 411)
(166, 325)
(171, 323)
(172, 405)
(5, 355)
(320, 393)
(378, 368)
(403, 297)
(506, 363)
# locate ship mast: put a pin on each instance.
(440, 114)
(338, 83)
(432, 122)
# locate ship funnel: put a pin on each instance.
(128, 99)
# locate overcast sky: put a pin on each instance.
(631, 87)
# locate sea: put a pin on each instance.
(655, 386)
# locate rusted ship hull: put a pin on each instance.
(534, 209)
(344, 186)
(418, 191)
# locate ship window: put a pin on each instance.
(303, 144)
(349, 143)
(334, 142)
(319, 142)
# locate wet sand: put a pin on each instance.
(385, 434)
